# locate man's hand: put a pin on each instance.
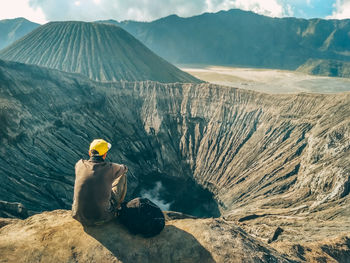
(125, 168)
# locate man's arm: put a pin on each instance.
(124, 188)
(121, 169)
(119, 185)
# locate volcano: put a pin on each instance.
(98, 51)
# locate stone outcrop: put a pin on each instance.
(56, 237)
(12, 210)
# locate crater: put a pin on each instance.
(177, 194)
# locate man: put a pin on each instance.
(100, 187)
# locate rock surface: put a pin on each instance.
(332, 249)
(56, 237)
(100, 52)
(12, 210)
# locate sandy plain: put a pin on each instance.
(267, 80)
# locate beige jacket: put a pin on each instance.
(92, 190)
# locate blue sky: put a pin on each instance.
(42, 11)
(312, 9)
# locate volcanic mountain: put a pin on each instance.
(13, 29)
(242, 38)
(98, 51)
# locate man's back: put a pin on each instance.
(92, 190)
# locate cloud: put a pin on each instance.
(265, 7)
(341, 9)
(141, 10)
(147, 10)
(22, 8)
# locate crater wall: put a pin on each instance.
(252, 151)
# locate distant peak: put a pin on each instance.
(102, 52)
(170, 17)
(17, 19)
(82, 23)
(108, 21)
(173, 16)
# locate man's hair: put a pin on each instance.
(94, 153)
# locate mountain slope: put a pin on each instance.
(101, 52)
(330, 68)
(13, 29)
(243, 38)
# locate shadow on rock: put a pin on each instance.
(171, 245)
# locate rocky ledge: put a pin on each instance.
(56, 237)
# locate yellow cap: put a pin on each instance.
(100, 145)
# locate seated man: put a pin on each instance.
(100, 187)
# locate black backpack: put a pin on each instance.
(142, 216)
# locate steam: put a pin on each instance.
(153, 195)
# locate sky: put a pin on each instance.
(42, 11)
